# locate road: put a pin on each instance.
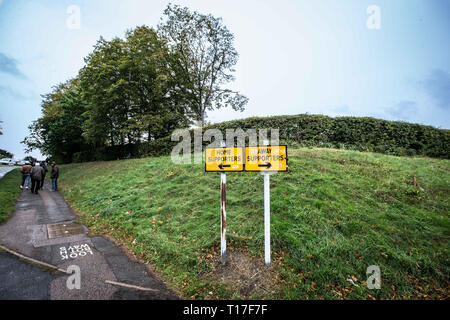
(43, 227)
(5, 169)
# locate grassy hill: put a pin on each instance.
(9, 192)
(333, 214)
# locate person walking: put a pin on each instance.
(25, 170)
(45, 170)
(36, 174)
(54, 176)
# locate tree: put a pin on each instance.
(29, 159)
(129, 91)
(139, 89)
(5, 154)
(157, 109)
(202, 60)
(102, 80)
(58, 132)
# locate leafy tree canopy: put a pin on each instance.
(139, 89)
(5, 154)
(203, 57)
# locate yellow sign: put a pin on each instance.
(224, 159)
(266, 158)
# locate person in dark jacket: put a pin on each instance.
(54, 176)
(45, 170)
(36, 174)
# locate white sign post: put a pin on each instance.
(267, 214)
(267, 218)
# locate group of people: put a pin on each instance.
(36, 172)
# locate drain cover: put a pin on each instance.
(64, 229)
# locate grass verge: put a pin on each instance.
(334, 214)
(9, 192)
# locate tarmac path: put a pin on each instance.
(43, 228)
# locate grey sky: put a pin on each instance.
(317, 57)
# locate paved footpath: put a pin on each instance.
(43, 228)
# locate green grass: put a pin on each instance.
(9, 192)
(333, 214)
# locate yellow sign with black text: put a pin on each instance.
(224, 159)
(266, 158)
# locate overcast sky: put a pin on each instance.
(332, 57)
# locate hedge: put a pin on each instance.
(355, 133)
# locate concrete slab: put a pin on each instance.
(65, 229)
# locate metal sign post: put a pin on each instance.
(267, 218)
(266, 214)
(223, 215)
(224, 160)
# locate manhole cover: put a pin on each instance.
(64, 229)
